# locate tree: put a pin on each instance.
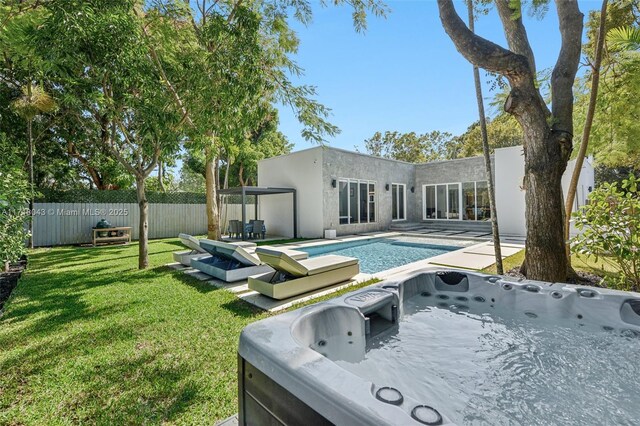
(502, 131)
(410, 147)
(34, 99)
(615, 137)
(586, 130)
(485, 151)
(242, 59)
(102, 61)
(548, 134)
(15, 192)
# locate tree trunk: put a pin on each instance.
(31, 178)
(143, 236)
(161, 176)
(586, 131)
(226, 174)
(487, 157)
(240, 175)
(547, 134)
(544, 209)
(213, 213)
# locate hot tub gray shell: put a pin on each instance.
(285, 380)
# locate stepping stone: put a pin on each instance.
(464, 260)
(489, 250)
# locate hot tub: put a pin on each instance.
(442, 347)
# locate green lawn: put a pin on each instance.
(87, 338)
(578, 262)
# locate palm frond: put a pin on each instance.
(624, 38)
(33, 102)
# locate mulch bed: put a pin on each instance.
(9, 280)
(584, 278)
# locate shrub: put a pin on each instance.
(14, 199)
(610, 223)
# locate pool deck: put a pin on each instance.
(475, 253)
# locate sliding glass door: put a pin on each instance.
(398, 203)
(442, 201)
(456, 201)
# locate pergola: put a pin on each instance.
(257, 191)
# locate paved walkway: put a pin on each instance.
(476, 253)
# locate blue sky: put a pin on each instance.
(403, 74)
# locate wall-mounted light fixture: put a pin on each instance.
(333, 183)
(413, 189)
(386, 187)
(590, 189)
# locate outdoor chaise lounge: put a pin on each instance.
(185, 256)
(189, 241)
(293, 277)
(231, 262)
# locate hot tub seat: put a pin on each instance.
(293, 277)
(297, 362)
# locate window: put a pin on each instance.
(453, 201)
(430, 202)
(470, 211)
(456, 201)
(441, 202)
(482, 199)
(398, 204)
(356, 201)
(343, 197)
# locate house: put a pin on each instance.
(351, 192)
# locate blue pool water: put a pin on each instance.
(382, 253)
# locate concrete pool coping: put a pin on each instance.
(474, 254)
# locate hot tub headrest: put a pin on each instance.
(451, 281)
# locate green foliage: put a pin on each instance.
(615, 136)
(118, 196)
(502, 131)
(14, 198)
(610, 225)
(624, 38)
(410, 147)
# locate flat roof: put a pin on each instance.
(255, 190)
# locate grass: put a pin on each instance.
(578, 262)
(88, 338)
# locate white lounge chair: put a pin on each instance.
(185, 256)
(230, 262)
(293, 277)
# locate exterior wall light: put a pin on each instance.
(413, 189)
(386, 187)
(333, 183)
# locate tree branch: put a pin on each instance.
(480, 51)
(564, 72)
(515, 32)
(186, 118)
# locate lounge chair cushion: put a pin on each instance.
(281, 261)
(230, 251)
(329, 262)
(191, 242)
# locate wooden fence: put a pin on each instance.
(71, 223)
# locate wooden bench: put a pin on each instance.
(126, 236)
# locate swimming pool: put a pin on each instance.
(380, 254)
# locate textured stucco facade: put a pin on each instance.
(313, 172)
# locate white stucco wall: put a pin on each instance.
(301, 170)
(509, 175)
